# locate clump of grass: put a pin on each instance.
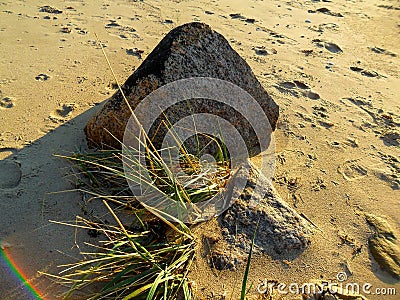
(132, 263)
(136, 261)
(197, 180)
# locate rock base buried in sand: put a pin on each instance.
(281, 230)
(384, 246)
(190, 50)
(282, 233)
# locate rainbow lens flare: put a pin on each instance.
(18, 273)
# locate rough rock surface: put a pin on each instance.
(384, 246)
(190, 50)
(281, 231)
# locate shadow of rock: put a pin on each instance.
(31, 194)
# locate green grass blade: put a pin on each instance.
(246, 272)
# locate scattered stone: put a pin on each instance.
(307, 52)
(242, 18)
(190, 50)
(288, 84)
(384, 245)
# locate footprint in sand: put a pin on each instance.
(351, 170)
(325, 26)
(383, 51)
(135, 52)
(386, 171)
(7, 102)
(289, 87)
(50, 10)
(124, 32)
(325, 11)
(63, 112)
(10, 170)
(331, 47)
(391, 138)
(364, 72)
(242, 18)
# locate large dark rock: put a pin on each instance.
(190, 50)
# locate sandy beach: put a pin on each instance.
(331, 66)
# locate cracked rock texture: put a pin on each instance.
(281, 231)
(190, 50)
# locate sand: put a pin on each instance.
(334, 72)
